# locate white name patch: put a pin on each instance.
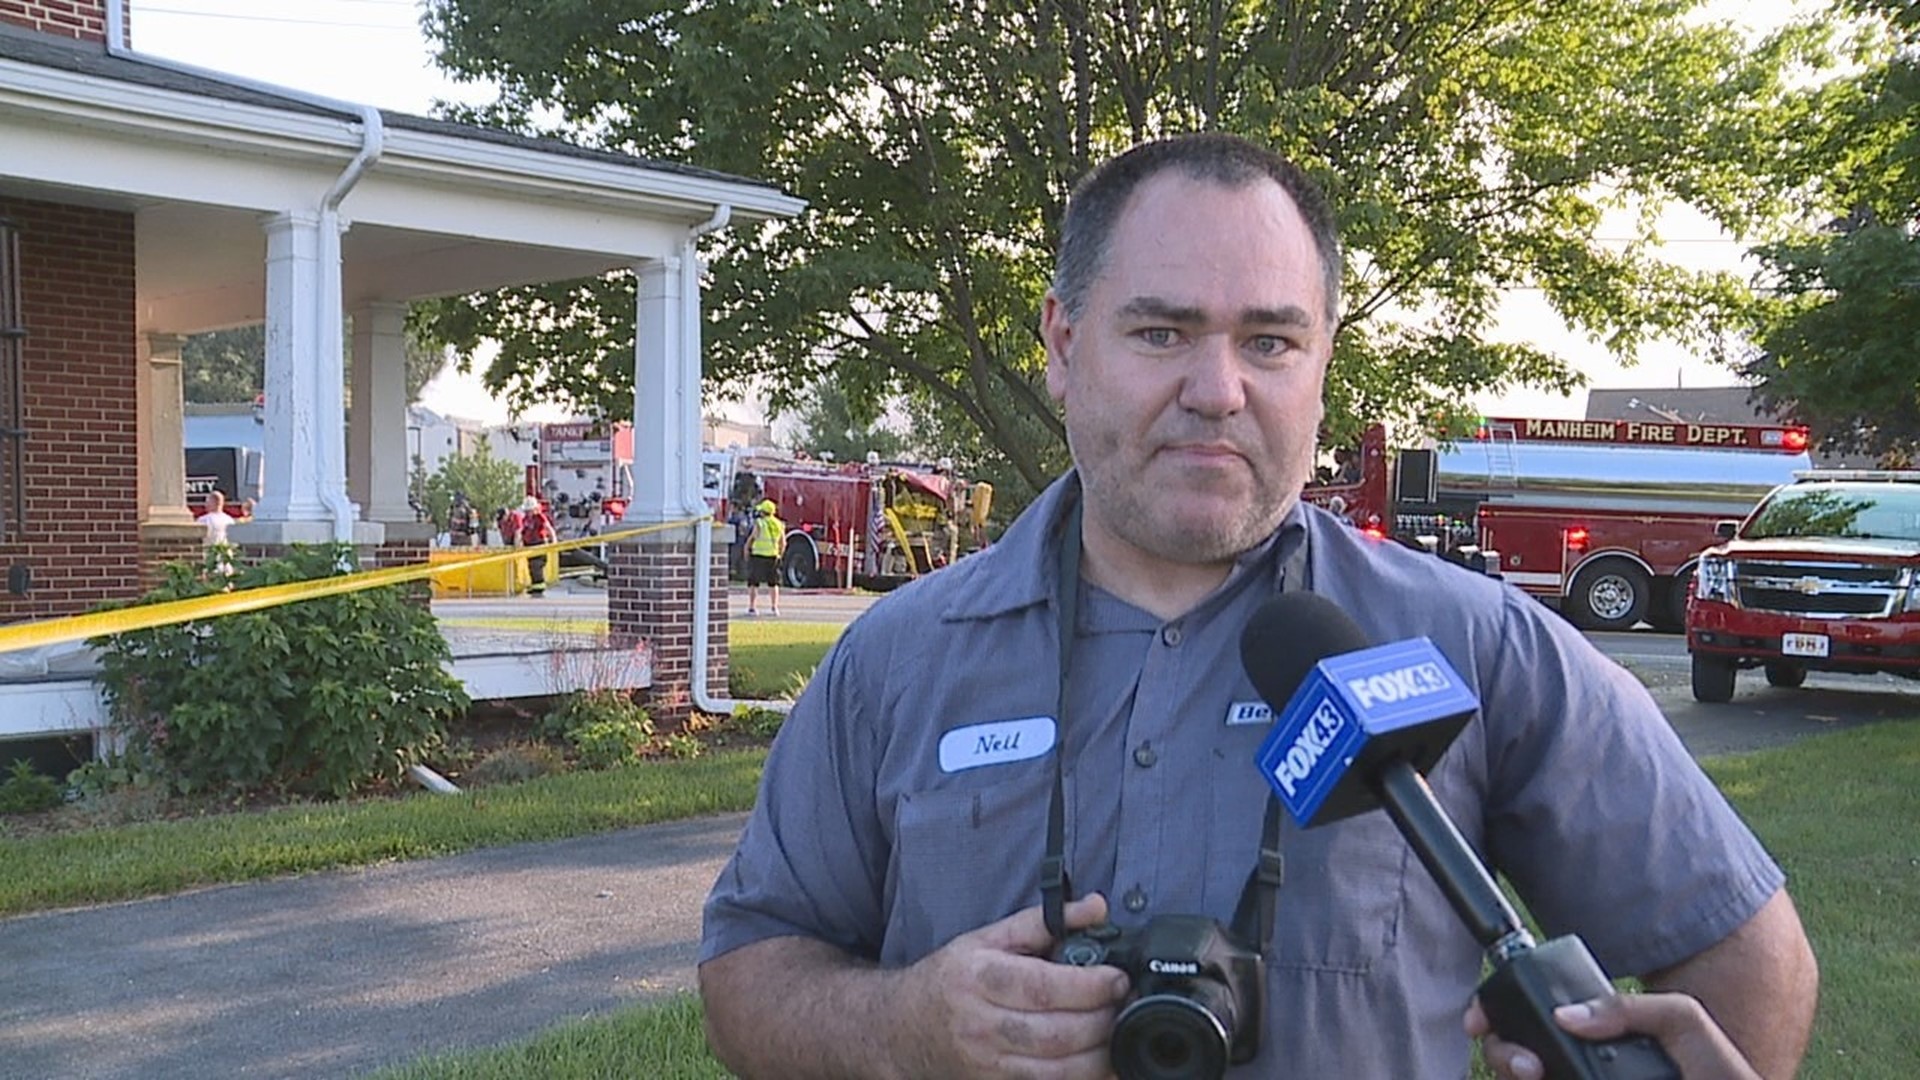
(995, 744)
(1249, 712)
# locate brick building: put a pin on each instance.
(143, 200)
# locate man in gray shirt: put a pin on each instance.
(880, 917)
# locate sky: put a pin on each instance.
(373, 52)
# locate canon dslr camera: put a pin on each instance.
(1195, 1006)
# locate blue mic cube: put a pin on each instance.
(1354, 712)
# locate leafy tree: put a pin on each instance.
(224, 366)
(488, 482)
(230, 366)
(831, 423)
(1839, 345)
(1472, 147)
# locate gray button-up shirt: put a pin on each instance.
(905, 800)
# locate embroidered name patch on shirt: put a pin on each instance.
(996, 743)
(1249, 712)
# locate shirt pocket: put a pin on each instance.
(965, 856)
(1340, 908)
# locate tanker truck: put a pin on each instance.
(1602, 519)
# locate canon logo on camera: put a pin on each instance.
(1173, 967)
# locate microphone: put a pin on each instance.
(1357, 727)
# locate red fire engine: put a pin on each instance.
(876, 525)
(1604, 519)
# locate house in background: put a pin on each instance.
(431, 438)
(143, 200)
(719, 433)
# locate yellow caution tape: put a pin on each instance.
(30, 635)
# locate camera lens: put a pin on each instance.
(1081, 953)
(1169, 1037)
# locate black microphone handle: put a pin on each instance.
(1527, 982)
(1448, 858)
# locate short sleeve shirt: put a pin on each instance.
(905, 799)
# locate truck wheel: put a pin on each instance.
(799, 567)
(1785, 675)
(1610, 595)
(1670, 614)
(1712, 679)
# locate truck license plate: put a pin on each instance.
(1804, 644)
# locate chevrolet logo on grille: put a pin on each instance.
(1808, 586)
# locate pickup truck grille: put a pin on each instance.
(1821, 589)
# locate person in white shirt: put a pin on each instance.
(216, 519)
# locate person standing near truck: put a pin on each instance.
(536, 528)
(763, 556)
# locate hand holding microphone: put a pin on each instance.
(1356, 728)
(1682, 1025)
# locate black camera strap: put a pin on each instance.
(1259, 900)
(1055, 887)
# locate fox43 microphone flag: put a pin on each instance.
(1401, 700)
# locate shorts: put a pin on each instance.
(762, 570)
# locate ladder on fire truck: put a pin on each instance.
(1502, 467)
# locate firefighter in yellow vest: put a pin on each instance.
(764, 549)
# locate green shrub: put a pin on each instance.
(608, 744)
(102, 775)
(683, 745)
(759, 722)
(25, 790)
(516, 764)
(606, 728)
(325, 695)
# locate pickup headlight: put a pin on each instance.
(1713, 579)
(1913, 590)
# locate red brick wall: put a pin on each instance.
(650, 598)
(81, 536)
(178, 545)
(83, 19)
(405, 553)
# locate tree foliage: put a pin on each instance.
(1472, 146)
(1841, 345)
(488, 482)
(224, 366)
(832, 424)
(230, 366)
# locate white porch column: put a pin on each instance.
(666, 398)
(305, 468)
(377, 451)
(292, 440)
(165, 475)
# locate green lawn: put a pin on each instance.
(154, 858)
(125, 862)
(1839, 811)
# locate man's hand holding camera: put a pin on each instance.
(991, 1004)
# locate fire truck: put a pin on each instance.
(583, 474)
(1823, 576)
(1602, 519)
(872, 524)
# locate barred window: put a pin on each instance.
(13, 434)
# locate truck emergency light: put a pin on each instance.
(1578, 538)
